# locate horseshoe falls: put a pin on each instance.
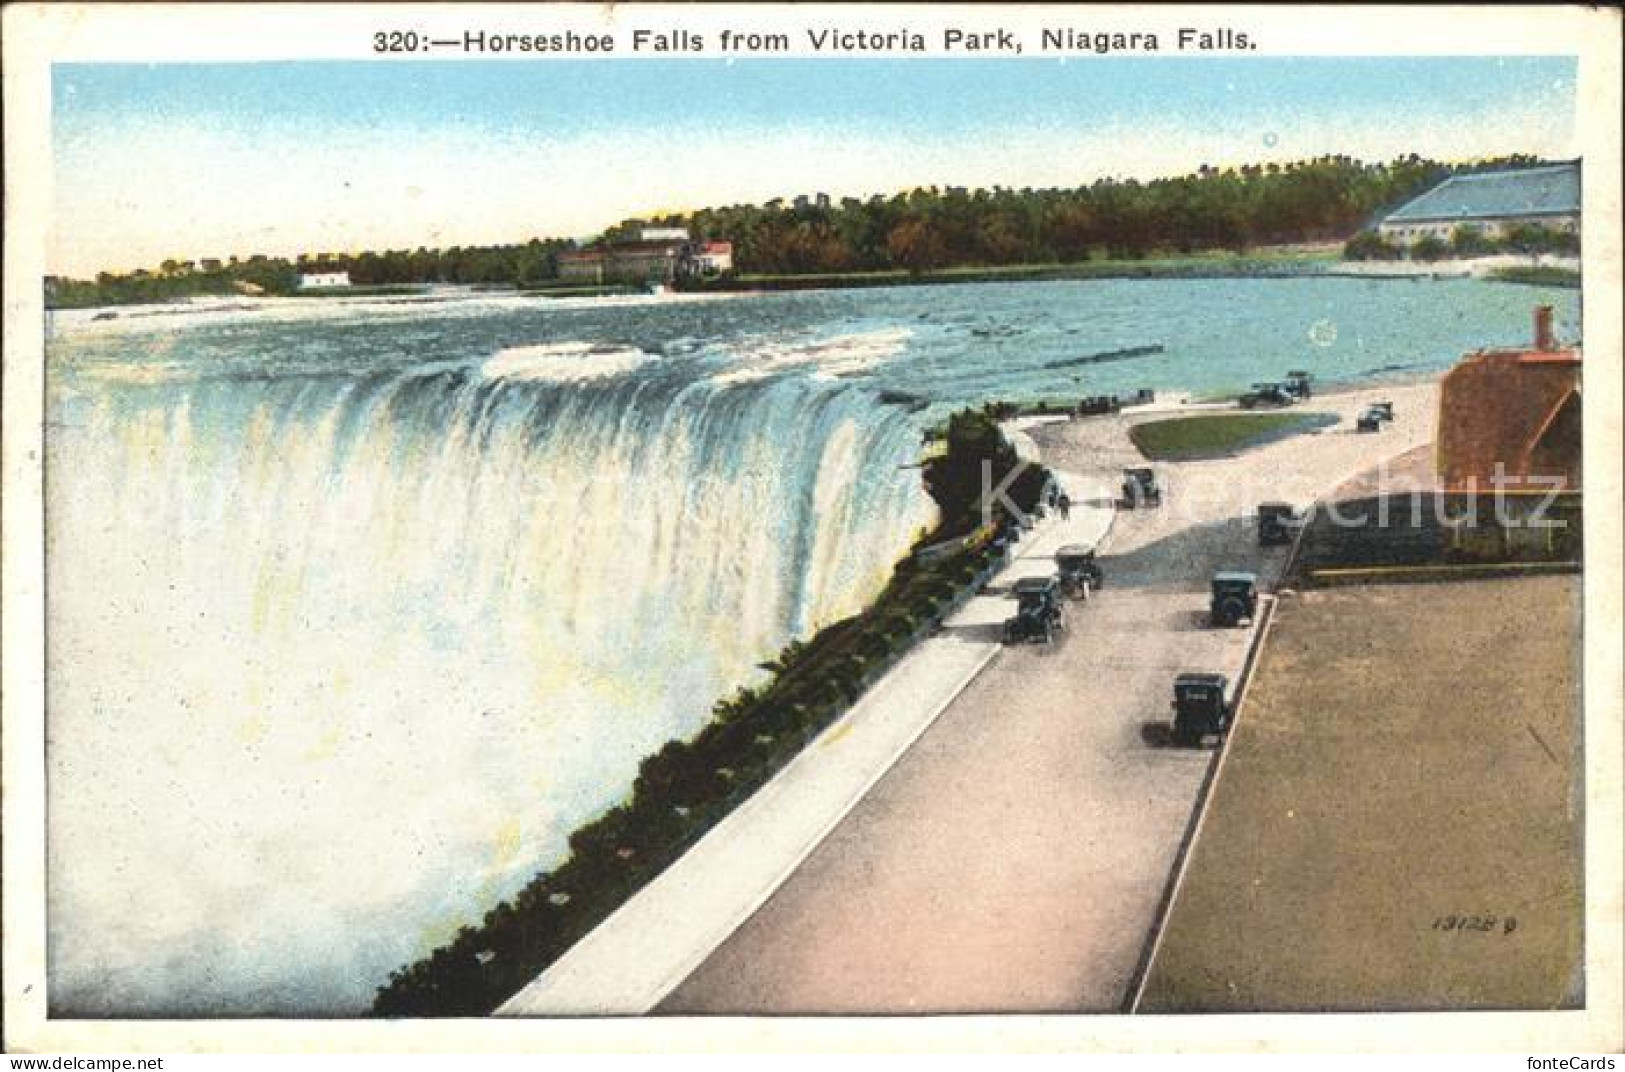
(357, 608)
(338, 660)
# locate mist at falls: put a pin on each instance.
(348, 656)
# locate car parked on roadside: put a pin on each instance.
(1266, 394)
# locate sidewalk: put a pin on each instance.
(642, 952)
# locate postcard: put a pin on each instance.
(855, 527)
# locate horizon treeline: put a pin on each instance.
(1327, 198)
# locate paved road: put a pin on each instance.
(1014, 859)
(637, 956)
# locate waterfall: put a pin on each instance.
(336, 660)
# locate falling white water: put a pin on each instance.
(336, 661)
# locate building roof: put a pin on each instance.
(1499, 408)
(1541, 191)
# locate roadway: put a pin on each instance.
(1016, 857)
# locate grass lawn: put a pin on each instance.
(1398, 823)
(1180, 439)
(1538, 276)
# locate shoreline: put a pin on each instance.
(1194, 267)
(1516, 271)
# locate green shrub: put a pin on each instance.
(1532, 239)
(1429, 249)
(1370, 246)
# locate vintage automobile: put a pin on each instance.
(1078, 571)
(1039, 615)
(1200, 708)
(1235, 597)
(1297, 384)
(1266, 394)
(1278, 523)
(1370, 420)
(1097, 405)
(1140, 488)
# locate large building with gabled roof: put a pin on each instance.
(1491, 202)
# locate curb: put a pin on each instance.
(1193, 831)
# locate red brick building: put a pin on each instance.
(1512, 416)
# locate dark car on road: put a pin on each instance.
(1078, 571)
(1140, 488)
(1039, 614)
(1278, 523)
(1235, 597)
(1200, 708)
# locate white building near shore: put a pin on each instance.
(323, 280)
(1491, 202)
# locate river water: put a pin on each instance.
(357, 608)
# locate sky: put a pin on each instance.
(152, 161)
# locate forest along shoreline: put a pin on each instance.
(1312, 209)
(1287, 262)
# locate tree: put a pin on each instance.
(914, 245)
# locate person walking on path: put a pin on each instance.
(1064, 504)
